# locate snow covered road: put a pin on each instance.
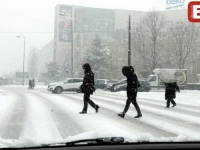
(38, 117)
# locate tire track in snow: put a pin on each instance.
(166, 121)
(161, 105)
(130, 123)
(161, 101)
(159, 115)
(8, 101)
(15, 124)
(65, 124)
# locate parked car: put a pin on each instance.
(113, 81)
(101, 84)
(145, 87)
(70, 84)
(111, 86)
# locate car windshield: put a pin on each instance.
(100, 81)
(148, 78)
(61, 76)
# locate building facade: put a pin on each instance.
(76, 26)
(45, 55)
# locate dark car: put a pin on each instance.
(111, 86)
(145, 86)
(113, 81)
(101, 84)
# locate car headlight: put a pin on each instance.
(111, 85)
(52, 85)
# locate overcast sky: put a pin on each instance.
(35, 20)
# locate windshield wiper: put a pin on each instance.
(106, 140)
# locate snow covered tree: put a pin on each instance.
(52, 71)
(183, 39)
(98, 57)
(64, 69)
(33, 63)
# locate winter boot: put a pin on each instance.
(173, 102)
(168, 104)
(121, 114)
(83, 112)
(139, 114)
(96, 108)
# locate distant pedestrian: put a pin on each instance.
(88, 88)
(29, 84)
(132, 85)
(170, 93)
(33, 84)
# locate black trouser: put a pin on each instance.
(134, 102)
(172, 101)
(87, 100)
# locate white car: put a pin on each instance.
(70, 84)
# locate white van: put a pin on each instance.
(165, 75)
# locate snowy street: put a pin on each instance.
(38, 116)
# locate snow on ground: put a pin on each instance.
(46, 113)
(152, 121)
(7, 101)
(39, 119)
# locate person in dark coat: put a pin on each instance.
(29, 84)
(132, 85)
(33, 83)
(170, 93)
(88, 88)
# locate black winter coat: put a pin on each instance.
(88, 83)
(170, 90)
(132, 85)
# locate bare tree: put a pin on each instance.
(183, 38)
(148, 40)
(33, 62)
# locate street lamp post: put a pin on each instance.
(22, 36)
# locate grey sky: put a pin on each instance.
(35, 19)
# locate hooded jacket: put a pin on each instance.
(132, 81)
(88, 80)
(170, 90)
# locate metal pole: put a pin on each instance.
(129, 42)
(23, 60)
(72, 45)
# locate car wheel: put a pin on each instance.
(54, 92)
(105, 88)
(146, 89)
(112, 89)
(78, 91)
(58, 90)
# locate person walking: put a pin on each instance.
(33, 83)
(170, 93)
(88, 88)
(29, 84)
(132, 85)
